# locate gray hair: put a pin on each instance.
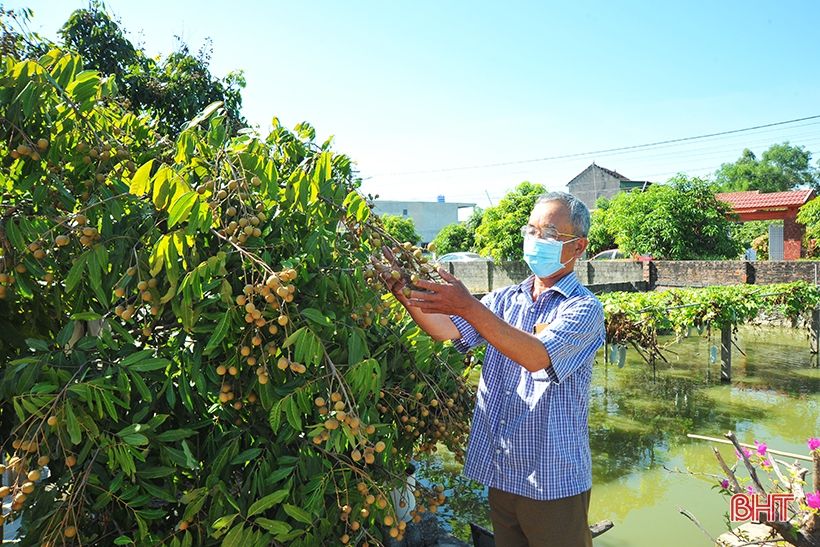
(578, 212)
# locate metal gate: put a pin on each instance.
(775, 242)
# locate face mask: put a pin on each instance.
(543, 256)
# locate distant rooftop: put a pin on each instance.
(754, 199)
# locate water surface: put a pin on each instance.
(643, 461)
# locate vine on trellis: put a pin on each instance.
(637, 319)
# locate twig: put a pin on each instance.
(751, 468)
(691, 517)
(729, 473)
(722, 441)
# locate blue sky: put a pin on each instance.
(417, 87)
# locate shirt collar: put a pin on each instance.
(565, 286)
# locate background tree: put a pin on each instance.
(746, 232)
(780, 168)
(459, 236)
(403, 229)
(600, 236)
(174, 89)
(680, 220)
(809, 216)
(499, 234)
(453, 238)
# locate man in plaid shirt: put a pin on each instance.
(529, 441)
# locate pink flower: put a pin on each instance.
(746, 452)
(761, 448)
(766, 463)
(814, 443)
(724, 483)
(750, 489)
(813, 500)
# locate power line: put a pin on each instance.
(602, 151)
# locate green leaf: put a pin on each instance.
(234, 537)
(219, 333)
(72, 425)
(158, 254)
(298, 513)
(292, 413)
(277, 527)
(322, 169)
(15, 236)
(206, 113)
(275, 415)
(224, 521)
(268, 501)
(190, 461)
(246, 456)
(123, 540)
(175, 435)
(139, 383)
(314, 315)
(141, 181)
(136, 357)
(75, 274)
(356, 345)
(86, 316)
(135, 439)
(149, 365)
(37, 344)
(181, 208)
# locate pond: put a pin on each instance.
(638, 429)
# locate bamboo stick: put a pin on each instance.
(773, 451)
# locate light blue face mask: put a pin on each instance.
(543, 256)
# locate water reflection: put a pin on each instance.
(638, 425)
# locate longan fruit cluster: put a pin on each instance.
(262, 303)
(405, 261)
(147, 295)
(338, 415)
(25, 150)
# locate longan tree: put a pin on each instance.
(193, 339)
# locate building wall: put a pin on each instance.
(592, 184)
(428, 216)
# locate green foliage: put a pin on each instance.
(680, 220)
(809, 216)
(746, 232)
(780, 168)
(499, 234)
(170, 310)
(173, 90)
(638, 318)
(403, 229)
(600, 236)
(453, 238)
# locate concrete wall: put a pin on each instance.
(429, 217)
(482, 277)
(766, 272)
(699, 273)
(593, 183)
(625, 275)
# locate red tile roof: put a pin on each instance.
(741, 201)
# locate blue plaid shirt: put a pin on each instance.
(530, 434)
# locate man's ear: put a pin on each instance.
(581, 246)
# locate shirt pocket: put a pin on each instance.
(540, 376)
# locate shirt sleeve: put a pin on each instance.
(573, 337)
(469, 336)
